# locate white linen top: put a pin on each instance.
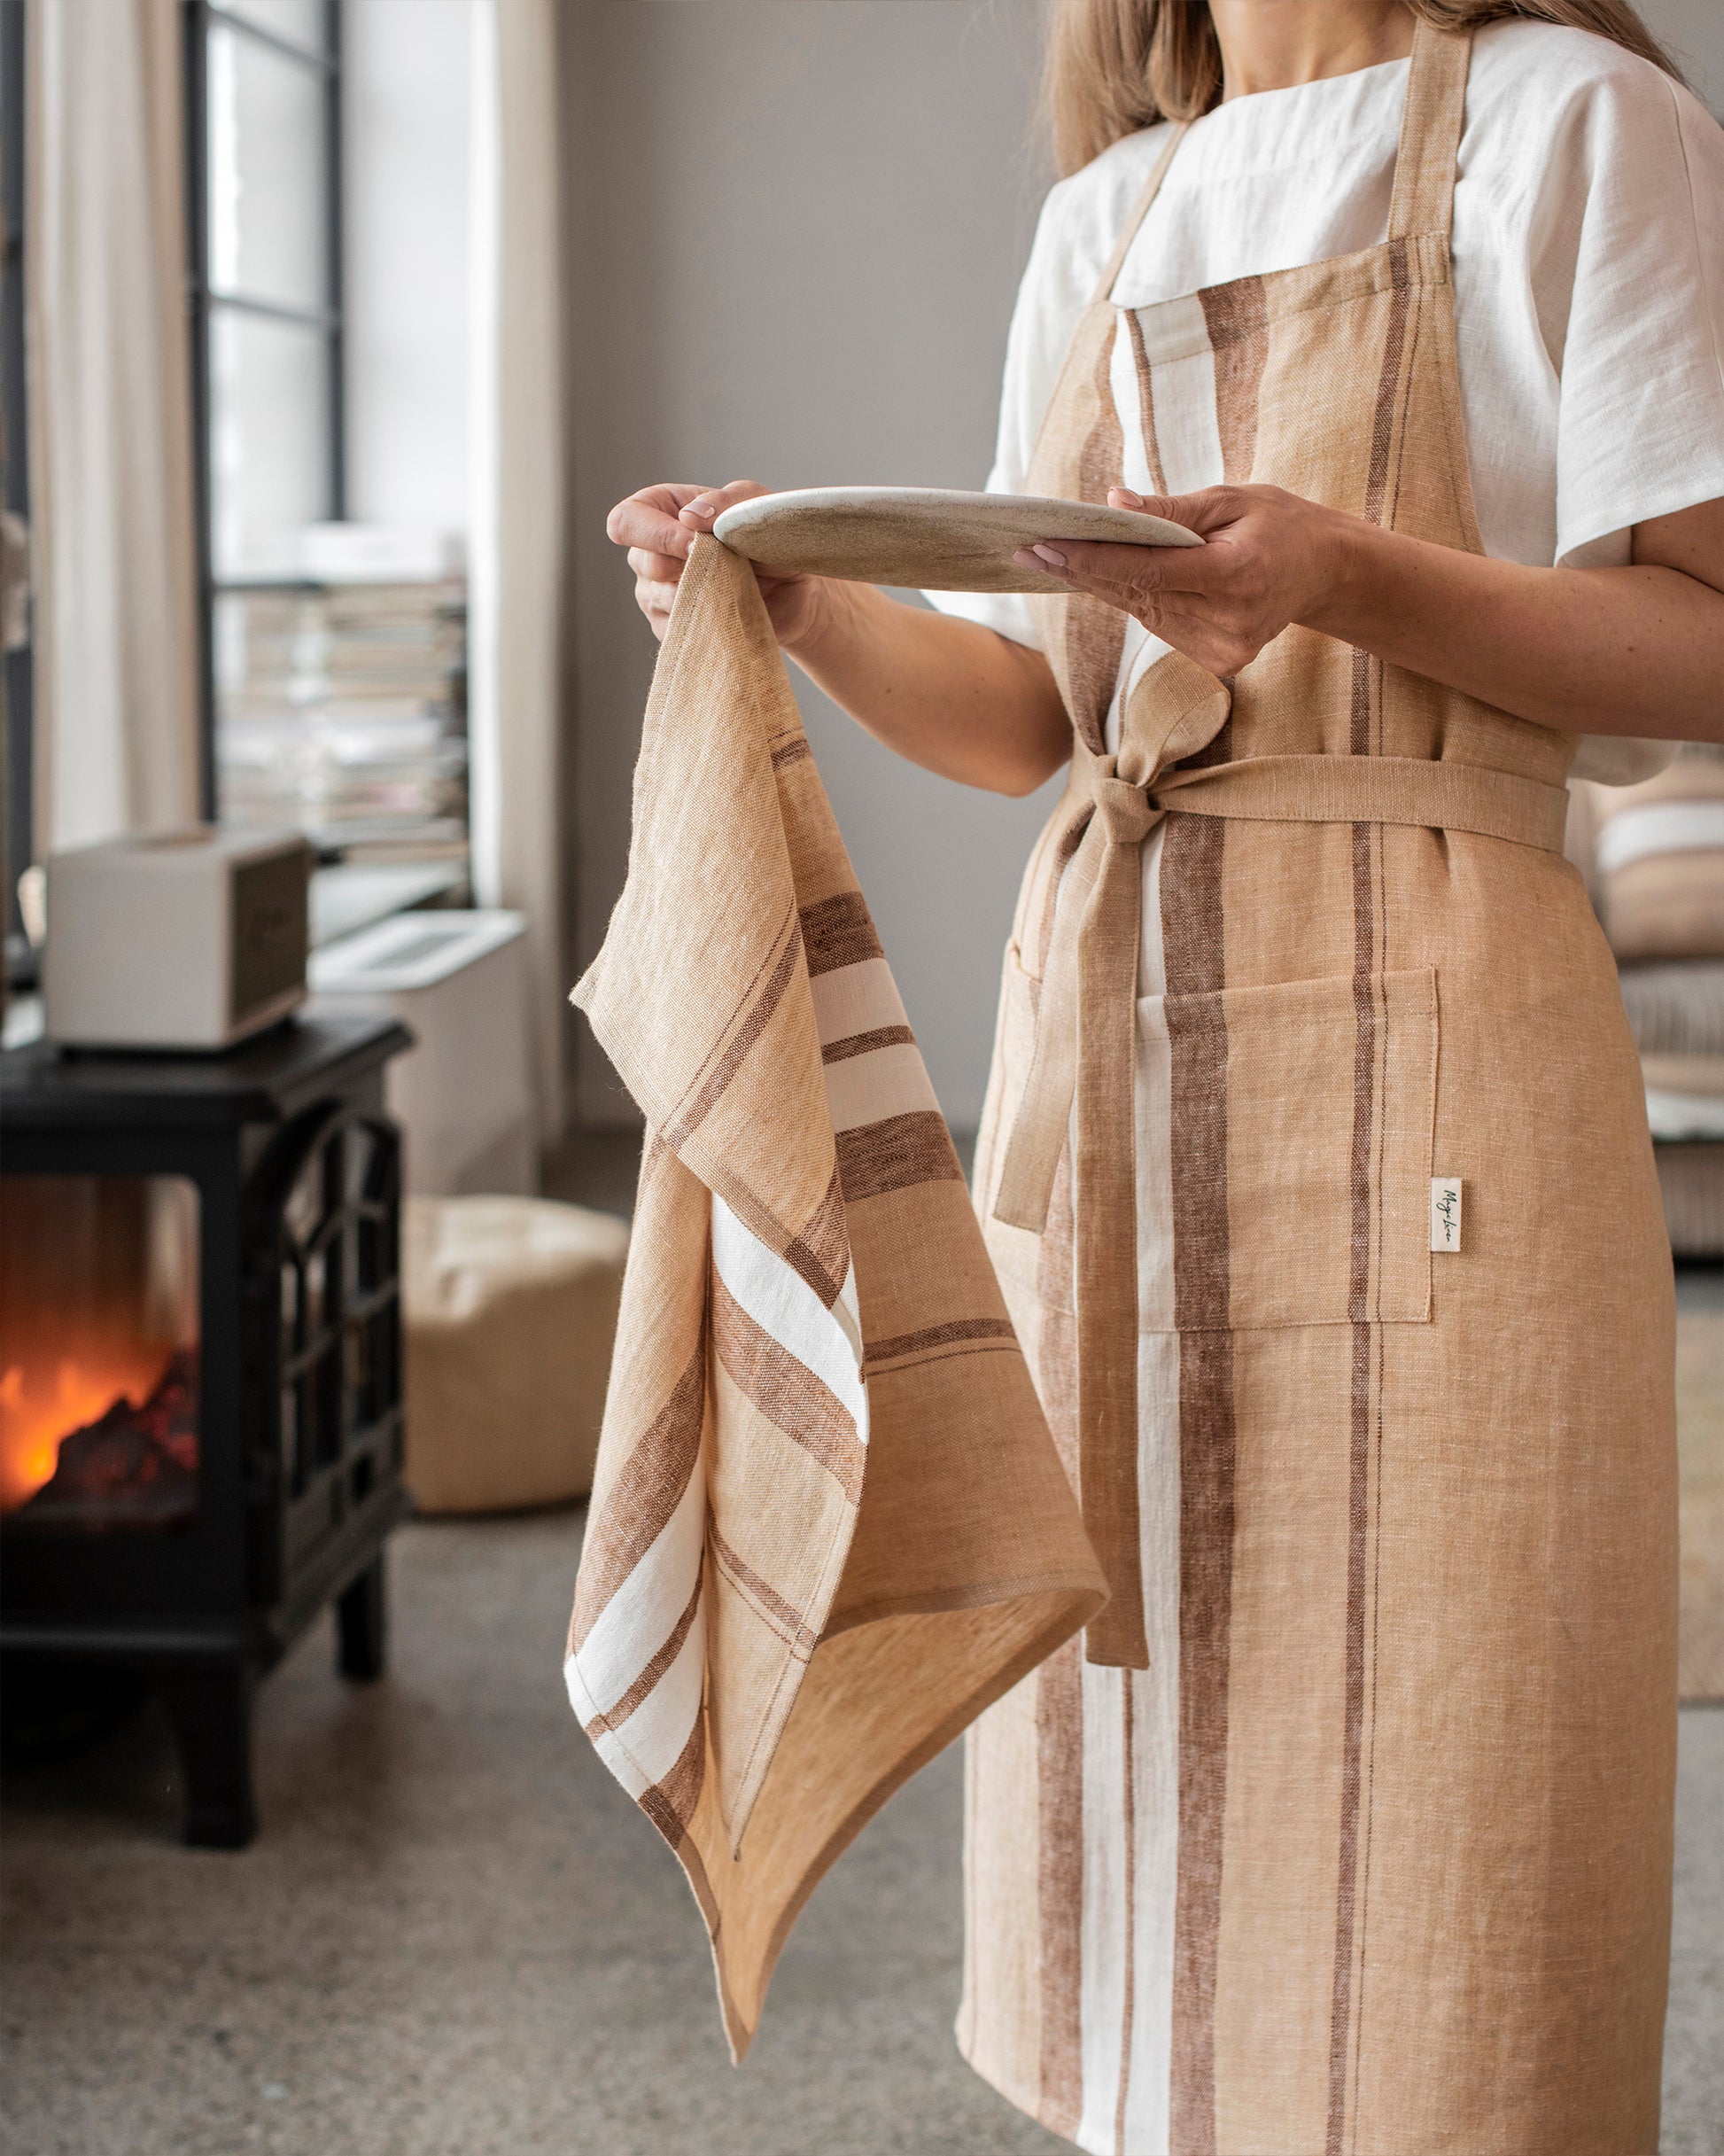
(1588, 269)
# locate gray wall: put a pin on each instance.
(1694, 31)
(799, 225)
(797, 228)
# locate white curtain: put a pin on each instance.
(113, 544)
(516, 569)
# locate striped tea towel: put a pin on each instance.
(828, 1525)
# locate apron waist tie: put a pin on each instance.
(1085, 1059)
(1372, 789)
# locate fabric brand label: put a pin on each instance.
(1445, 1213)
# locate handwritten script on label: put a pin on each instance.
(1445, 1213)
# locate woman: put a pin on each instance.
(1315, 1162)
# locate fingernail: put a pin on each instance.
(697, 508)
(1052, 555)
(1127, 495)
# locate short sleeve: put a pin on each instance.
(1640, 411)
(1050, 299)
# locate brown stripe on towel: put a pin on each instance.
(821, 1254)
(894, 1152)
(838, 931)
(670, 1804)
(865, 1044)
(649, 1677)
(940, 1336)
(711, 1089)
(788, 1392)
(645, 1494)
(788, 1622)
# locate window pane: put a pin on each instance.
(299, 21)
(270, 441)
(267, 136)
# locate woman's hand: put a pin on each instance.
(1268, 558)
(1638, 649)
(659, 526)
(949, 694)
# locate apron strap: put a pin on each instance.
(1139, 211)
(1431, 127)
(1414, 789)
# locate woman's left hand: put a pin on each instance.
(1268, 558)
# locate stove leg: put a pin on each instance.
(360, 1626)
(210, 1707)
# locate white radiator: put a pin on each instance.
(464, 1093)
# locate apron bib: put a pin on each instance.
(1346, 1830)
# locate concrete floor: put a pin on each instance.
(455, 1937)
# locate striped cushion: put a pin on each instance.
(1691, 1177)
(1676, 1010)
(1684, 1096)
(1658, 860)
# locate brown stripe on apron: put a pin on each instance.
(1239, 332)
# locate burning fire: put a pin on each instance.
(99, 1326)
(47, 1397)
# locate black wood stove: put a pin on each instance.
(200, 1371)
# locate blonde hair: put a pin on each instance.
(1116, 66)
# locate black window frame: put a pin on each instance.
(204, 303)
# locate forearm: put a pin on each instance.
(1635, 651)
(946, 694)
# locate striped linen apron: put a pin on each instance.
(1315, 1171)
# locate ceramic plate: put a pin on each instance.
(924, 538)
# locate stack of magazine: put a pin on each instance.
(341, 708)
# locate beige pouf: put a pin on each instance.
(510, 1307)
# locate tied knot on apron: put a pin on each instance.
(1125, 812)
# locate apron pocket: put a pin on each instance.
(1284, 1154)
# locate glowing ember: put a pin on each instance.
(98, 1378)
(137, 1465)
(42, 1403)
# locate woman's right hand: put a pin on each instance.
(659, 526)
